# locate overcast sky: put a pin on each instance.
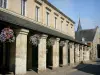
(89, 11)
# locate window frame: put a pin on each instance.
(37, 13)
(47, 18)
(55, 24)
(3, 3)
(23, 7)
(61, 24)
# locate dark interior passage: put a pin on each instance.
(49, 58)
(60, 56)
(68, 55)
(35, 57)
(4, 57)
(98, 50)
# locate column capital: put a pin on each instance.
(80, 46)
(58, 39)
(76, 45)
(71, 43)
(44, 36)
(22, 31)
(67, 41)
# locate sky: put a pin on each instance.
(87, 10)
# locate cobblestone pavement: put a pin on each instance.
(91, 69)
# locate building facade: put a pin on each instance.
(43, 37)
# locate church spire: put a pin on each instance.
(79, 25)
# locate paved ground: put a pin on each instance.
(59, 71)
(91, 69)
(82, 69)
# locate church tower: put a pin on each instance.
(79, 25)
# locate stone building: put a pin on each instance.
(90, 37)
(36, 35)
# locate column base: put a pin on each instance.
(71, 65)
(40, 71)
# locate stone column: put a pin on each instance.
(42, 53)
(21, 51)
(76, 57)
(81, 53)
(84, 53)
(65, 53)
(89, 49)
(87, 54)
(55, 61)
(71, 53)
(76, 53)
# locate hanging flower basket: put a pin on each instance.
(34, 40)
(51, 41)
(7, 35)
(62, 43)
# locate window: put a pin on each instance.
(3, 3)
(71, 25)
(23, 6)
(37, 13)
(67, 23)
(47, 18)
(55, 21)
(61, 24)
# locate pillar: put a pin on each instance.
(55, 61)
(87, 54)
(71, 53)
(76, 53)
(65, 53)
(42, 53)
(84, 54)
(21, 51)
(81, 53)
(76, 57)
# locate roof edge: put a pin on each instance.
(58, 10)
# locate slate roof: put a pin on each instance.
(88, 34)
(21, 21)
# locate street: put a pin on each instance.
(91, 69)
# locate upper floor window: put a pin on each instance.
(71, 25)
(37, 13)
(47, 19)
(3, 3)
(23, 7)
(61, 24)
(55, 22)
(67, 23)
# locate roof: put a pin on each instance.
(87, 34)
(18, 20)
